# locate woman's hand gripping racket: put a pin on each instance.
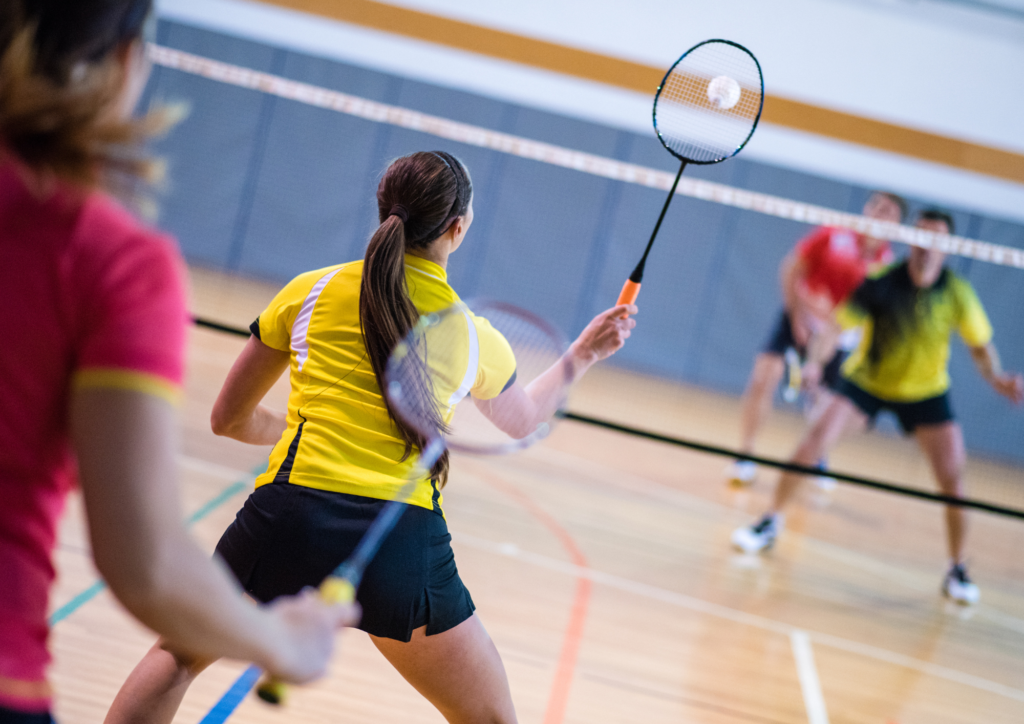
(518, 371)
(705, 111)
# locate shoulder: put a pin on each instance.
(316, 280)
(816, 238)
(960, 288)
(115, 260)
(106, 234)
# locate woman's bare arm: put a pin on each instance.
(237, 413)
(986, 359)
(518, 410)
(125, 444)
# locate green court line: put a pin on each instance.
(92, 591)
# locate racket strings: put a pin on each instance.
(432, 371)
(687, 118)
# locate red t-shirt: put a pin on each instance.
(90, 298)
(834, 261)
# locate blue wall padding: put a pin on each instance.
(270, 188)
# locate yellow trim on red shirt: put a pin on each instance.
(27, 691)
(121, 379)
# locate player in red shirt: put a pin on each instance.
(91, 361)
(818, 275)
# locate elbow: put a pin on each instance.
(223, 424)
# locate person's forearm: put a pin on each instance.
(194, 605)
(519, 410)
(237, 413)
(262, 426)
(822, 345)
(124, 442)
(986, 359)
(790, 274)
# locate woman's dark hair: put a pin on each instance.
(60, 82)
(418, 200)
(934, 214)
(896, 199)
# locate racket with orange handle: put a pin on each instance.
(705, 111)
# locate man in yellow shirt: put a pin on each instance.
(908, 313)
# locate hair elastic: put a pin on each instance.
(400, 211)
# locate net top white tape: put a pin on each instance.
(584, 162)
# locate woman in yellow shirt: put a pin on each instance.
(908, 313)
(340, 454)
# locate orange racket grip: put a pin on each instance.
(333, 590)
(630, 291)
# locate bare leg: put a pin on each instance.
(757, 400)
(154, 690)
(822, 399)
(943, 445)
(458, 671)
(817, 441)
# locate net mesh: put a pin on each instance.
(709, 103)
(447, 354)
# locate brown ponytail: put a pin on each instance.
(418, 199)
(60, 86)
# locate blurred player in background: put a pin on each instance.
(816, 276)
(341, 455)
(93, 330)
(909, 313)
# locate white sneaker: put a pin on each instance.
(762, 534)
(824, 482)
(959, 587)
(741, 473)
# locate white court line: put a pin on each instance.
(730, 614)
(814, 701)
(215, 470)
(568, 158)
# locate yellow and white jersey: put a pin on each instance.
(340, 436)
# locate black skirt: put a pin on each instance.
(287, 537)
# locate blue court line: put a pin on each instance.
(232, 697)
(92, 591)
(75, 603)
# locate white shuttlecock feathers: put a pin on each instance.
(723, 92)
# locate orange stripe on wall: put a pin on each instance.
(644, 78)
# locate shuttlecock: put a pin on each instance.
(723, 92)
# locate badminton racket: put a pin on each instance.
(705, 111)
(512, 365)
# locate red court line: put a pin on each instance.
(559, 698)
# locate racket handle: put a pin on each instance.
(333, 590)
(630, 291)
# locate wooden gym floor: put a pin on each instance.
(601, 566)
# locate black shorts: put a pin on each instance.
(782, 339)
(287, 537)
(932, 411)
(10, 716)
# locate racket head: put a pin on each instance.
(686, 118)
(431, 373)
